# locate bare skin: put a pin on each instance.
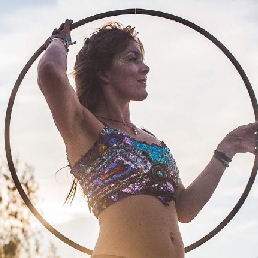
(137, 226)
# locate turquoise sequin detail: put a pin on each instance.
(118, 166)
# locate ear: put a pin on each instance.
(103, 77)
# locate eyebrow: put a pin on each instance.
(138, 53)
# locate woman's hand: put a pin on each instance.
(63, 31)
(240, 140)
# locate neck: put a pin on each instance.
(114, 110)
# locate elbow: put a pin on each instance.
(45, 71)
(185, 218)
(185, 213)
(47, 74)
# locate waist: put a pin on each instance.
(140, 226)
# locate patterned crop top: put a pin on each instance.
(118, 166)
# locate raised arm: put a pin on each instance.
(75, 123)
(191, 200)
(55, 86)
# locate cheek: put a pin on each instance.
(120, 62)
(124, 66)
(125, 75)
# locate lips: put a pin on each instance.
(142, 80)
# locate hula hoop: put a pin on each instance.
(117, 13)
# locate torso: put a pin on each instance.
(136, 226)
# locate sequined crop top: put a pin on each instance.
(118, 166)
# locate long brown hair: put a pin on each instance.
(96, 56)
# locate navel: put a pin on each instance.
(172, 238)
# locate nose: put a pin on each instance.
(145, 68)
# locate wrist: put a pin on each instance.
(57, 38)
(58, 42)
(222, 157)
(227, 149)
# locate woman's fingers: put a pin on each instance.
(242, 139)
(63, 31)
(256, 139)
(61, 27)
(250, 137)
(55, 31)
(64, 28)
(252, 127)
(67, 25)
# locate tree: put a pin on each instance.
(18, 235)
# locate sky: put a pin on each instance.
(195, 98)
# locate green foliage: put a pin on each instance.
(19, 233)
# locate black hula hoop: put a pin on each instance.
(116, 13)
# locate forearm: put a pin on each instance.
(53, 63)
(192, 199)
(196, 195)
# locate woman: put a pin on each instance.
(129, 176)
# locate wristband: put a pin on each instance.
(64, 40)
(225, 163)
(222, 157)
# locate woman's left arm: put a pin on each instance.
(190, 200)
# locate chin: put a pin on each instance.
(141, 98)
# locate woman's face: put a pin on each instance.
(128, 74)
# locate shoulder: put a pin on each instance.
(148, 132)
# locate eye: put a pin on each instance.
(135, 57)
(132, 58)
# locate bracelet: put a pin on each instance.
(225, 163)
(64, 43)
(64, 40)
(222, 157)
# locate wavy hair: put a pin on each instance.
(96, 56)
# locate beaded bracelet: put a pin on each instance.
(64, 40)
(222, 157)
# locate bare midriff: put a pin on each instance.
(140, 226)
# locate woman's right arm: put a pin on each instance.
(55, 86)
(71, 118)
